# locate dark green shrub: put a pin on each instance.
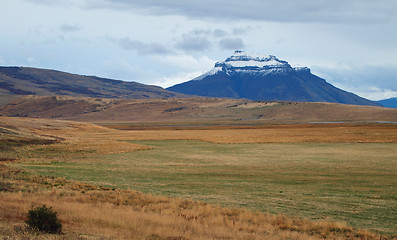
(44, 219)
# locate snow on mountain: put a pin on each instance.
(242, 62)
(242, 59)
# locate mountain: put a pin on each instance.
(43, 82)
(258, 77)
(390, 102)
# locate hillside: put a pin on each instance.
(43, 82)
(390, 102)
(267, 78)
(190, 110)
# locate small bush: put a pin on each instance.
(44, 219)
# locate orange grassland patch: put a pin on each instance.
(292, 133)
(77, 136)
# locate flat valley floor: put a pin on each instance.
(336, 173)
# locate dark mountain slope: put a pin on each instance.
(43, 82)
(390, 102)
(266, 78)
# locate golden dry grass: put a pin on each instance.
(287, 133)
(93, 212)
(105, 139)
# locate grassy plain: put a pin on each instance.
(350, 182)
(327, 172)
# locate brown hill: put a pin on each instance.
(200, 111)
(43, 82)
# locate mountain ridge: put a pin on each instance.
(389, 102)
(265, 78)
(44, 82)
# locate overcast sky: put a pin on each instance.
(350, 43)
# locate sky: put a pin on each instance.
(350, 43)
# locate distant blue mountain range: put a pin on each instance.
(390, 102)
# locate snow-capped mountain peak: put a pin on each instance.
(246, 63)
(241, 59)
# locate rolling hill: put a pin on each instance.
(200, 110)
(43, 82)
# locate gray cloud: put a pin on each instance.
(231, 43)
(373, 81)
(69, 28)
(194, 43)
(143, 48)
(204, 39)
(241, 31)
(337, 11)
(216, 33)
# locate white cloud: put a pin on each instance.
(375, 93)
(186, 67)
(180, 78)
(371, 93)
(31, 60)
(185, 63)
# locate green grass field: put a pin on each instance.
(355, 183)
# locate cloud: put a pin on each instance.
(185, 63)
(375, 93)
(194, 43)
(205, 39)
(180, 78)
(231, 43)
(336, 11)
(373, 82)
(241, 30)
(69, 28)
(184, 68)
(69, 3)
(31, 60)
(143, 48)
(218, 33)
